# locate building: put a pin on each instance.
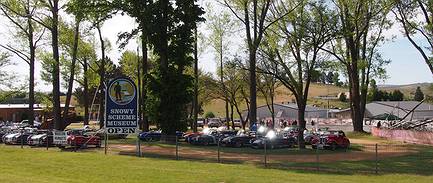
(19, 112)
(393, 109)
(399, 109)
(288, 112)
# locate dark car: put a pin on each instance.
(331, 140)
(277, 142)
(150, 136)
(240, 140)
(207, 138)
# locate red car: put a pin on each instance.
(330, 140)
(77, 139)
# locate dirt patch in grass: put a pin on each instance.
(365, 150)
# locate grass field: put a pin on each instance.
(37, 165)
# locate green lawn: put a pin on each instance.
(39, 165)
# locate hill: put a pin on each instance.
(283, 95)
(409, 90)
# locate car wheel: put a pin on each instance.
(333, 146)
(238, 144)
(206, 143)
(314, 146)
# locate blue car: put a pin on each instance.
(150, 136)
(155, 135)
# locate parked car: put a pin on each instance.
(309, 136)
(150, 136)
(40, 139)
(277, 142)
(209, 137)
(19, 137)
(240, 140)
(214, 123)
(188, 136)
(237, 123)
(200, 122)
(26, 123)
(77, 138)
(331, 140)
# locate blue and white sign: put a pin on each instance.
(121, 106)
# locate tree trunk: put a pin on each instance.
(72, 73)
(195, 106)
(56, 66)
(86, 94)
(145, 126)
(301, 123)
(32, 71)
(139, 83)
(231, 116)
(253, 86)
(101, 80)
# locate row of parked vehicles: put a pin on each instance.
(19, 135)
(284, 138)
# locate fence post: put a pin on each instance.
(219, 160)
(138, 147)
(266, 156)
(377, 162)
(317, 158)
(22, 139)
(177, 148)
(106, 142)
(47, 139)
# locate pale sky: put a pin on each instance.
(406, 65)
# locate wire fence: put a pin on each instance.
(357, 158)
(367, 158)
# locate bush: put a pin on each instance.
(209, 114)
(343, 97)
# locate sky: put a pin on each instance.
(406, 67)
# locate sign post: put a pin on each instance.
(121, 116)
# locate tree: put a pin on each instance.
(415, 17)
(209, 115)
(49, 19)
(419, 95)
(20, 13)
(267, 85)
(171, 33)
(330, 77)
(221, 26)
(342, 97)
(360, 33)
(140, 10)
(373, 93)
(396, 95)
(254, 16)
(236, 83)
(336, 79)
(295, 46)
(96, 12)
(5, 77)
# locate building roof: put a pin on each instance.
(398, 108)
(25, 106)
(308, 108)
